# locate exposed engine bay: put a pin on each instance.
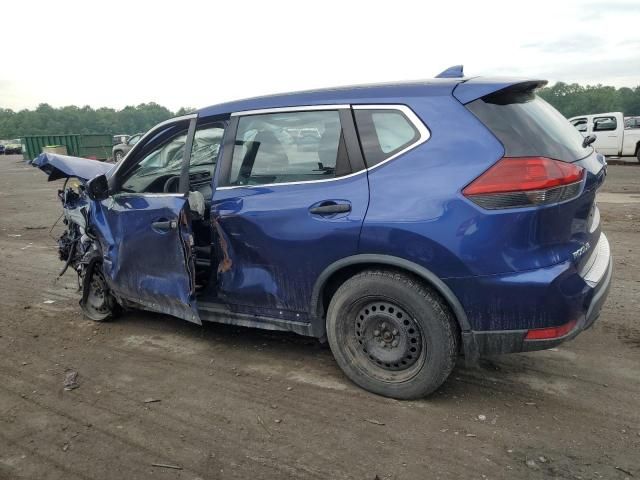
(79, 249)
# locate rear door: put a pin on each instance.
(291, 198)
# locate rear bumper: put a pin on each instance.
(588, 305)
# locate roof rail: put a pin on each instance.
(452, 72)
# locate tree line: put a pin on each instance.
(571, 99)
(46, 120)
(574, 99)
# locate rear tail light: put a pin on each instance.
(550, 333)
(515, 182)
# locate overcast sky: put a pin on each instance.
(188, 53)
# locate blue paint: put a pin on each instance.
(62, 166)
(509, 269)
(141, 264)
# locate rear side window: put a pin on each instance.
(604, 124)
(383, 133)
(528, 126)
(288, 147)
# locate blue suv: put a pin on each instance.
(405, 224)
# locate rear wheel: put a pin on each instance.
(391, 334)
(118, 155)
(638, 152)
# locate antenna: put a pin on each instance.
(452, 72)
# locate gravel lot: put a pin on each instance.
(220, 402)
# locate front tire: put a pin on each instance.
(391, 334)
(118, 155)
(97, 302)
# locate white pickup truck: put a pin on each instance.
(611, 136)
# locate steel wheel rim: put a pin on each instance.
(97, 296)
(375, 349)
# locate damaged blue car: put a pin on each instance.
(405, 224)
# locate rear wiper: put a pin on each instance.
(588, 140)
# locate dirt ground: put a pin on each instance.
(222, 402)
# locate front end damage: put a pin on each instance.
(130, 250)
(78, 246)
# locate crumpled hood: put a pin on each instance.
(63, 166)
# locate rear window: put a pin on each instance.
(528, 126)
(383, 133)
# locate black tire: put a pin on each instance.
(118, 155)
(97, 302)
(638, 152)
(391, 334)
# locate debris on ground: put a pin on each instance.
(49, 301)
(374, 421)
(151, 400)
(531, 464)
(71, 381)
(164, 465)
(627, 472)
(263, 425)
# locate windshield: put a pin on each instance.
(528, 126)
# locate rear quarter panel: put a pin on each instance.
(417, 212)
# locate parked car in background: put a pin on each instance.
(121, 149)
(13, 147)
(612, 135)
(121, 138)
(425, 220)
(632, 122)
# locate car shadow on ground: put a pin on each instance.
(495, 377)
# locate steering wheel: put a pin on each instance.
(172, 184)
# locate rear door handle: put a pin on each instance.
(164, 225)
(330, 208)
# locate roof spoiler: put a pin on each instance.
(452, 72)
(478, 87)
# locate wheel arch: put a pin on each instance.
(338, 272)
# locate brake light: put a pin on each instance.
(525, 181)
(550, 333)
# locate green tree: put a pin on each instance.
(573, 99)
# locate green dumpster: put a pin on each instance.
(94, 146)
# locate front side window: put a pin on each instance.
(383, 133)
(604, 124)
(157, 164)
(288, 147)
(580, 124)
(133, 140)
(206, 146)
